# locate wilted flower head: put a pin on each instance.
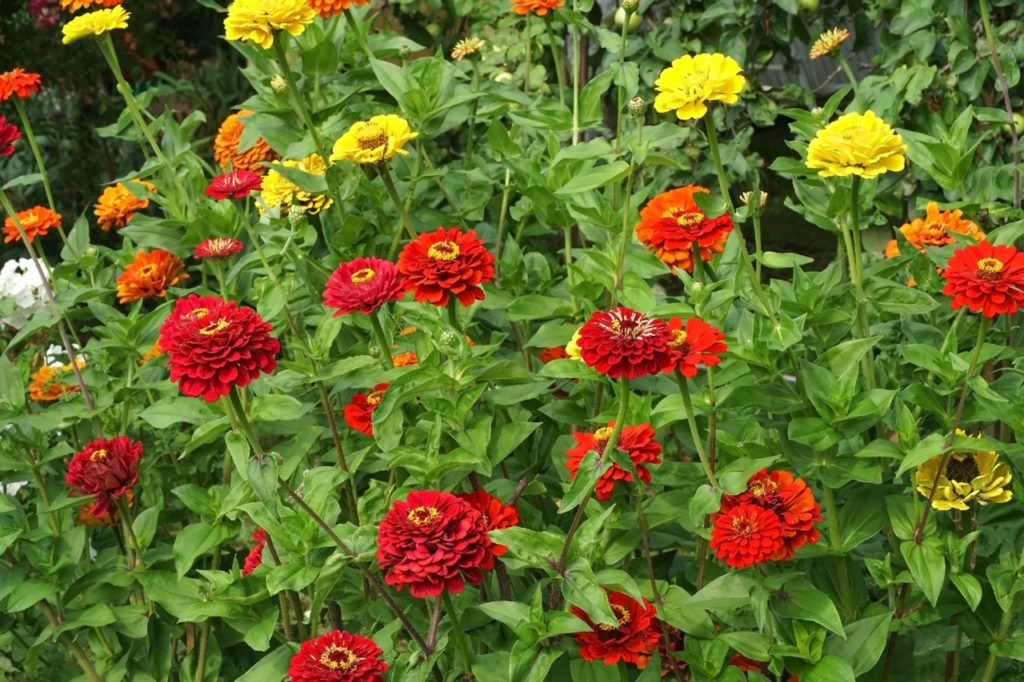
(633, 639)
(828, 42)
(106, 469)
(969, 477)
(762, 198)
(694, 80)
(373, 141)
(51, 382)
(95, 23)
(359, 412)
(856, 144)
(255, 21)
(935, 229)
(467, 47)
(279, 191)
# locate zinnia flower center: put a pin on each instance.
(198, 313)
(374, 398)
(147, 270)
(214, 327)
(763, 488)
(990, 268)
(603, 435)
(444, 250)
(630, 328)
(219, 246)
(743, 527)
(689, 219)
(362, 276)
(422, 516)
(372, 138)
(98, 455)
(678, 340)
(962, 470)
(339, 658)
(621, 615)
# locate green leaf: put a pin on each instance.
(274, 666)
(145, 524)
(293, 576)
(176, 410)
(803, 601)
(927, 566)
(595, 177)
(969, 587)
(193, 541)
(829, 669)
(729, 591)
(29, 593)
(591, 469)
(277, 408)
(238, 449)
(931, 446)
(774, 259)
(259, 634)
(262, 476)
(860, 519)
(898, 298)
(12, 386)
(865, 641)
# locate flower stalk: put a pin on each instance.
(382, 339)
(691, 418)
(26, 125)
(556, 55)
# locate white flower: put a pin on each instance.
(20, 283)
(56, 357)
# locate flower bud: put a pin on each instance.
(404, 52)
(296, 215)
(762, 199)
(449, 339)
(637, 107)
(816, 112)
(373, 351)
(278, 84)
(631, 6)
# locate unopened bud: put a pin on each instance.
(91, 251)
(762, 199)
(816, 112)
(404, 52)
(631, 6)
(637, 106)
(373, 351)
(449, 339)
(278, 84)
(296, 215)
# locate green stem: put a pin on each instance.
(575, 79)
(698, 444)
(857, 275)
(620, 90)
(620, 259)
(754, 210)
(848, 72)
(570, 276)
(556, 55)
(360, 38)
(453, 313)
(26, 125)
(529, 50)
(836, 542)
(389, 186)
(129, 531)
(218, 274)
(1004, 629)
(382, 339)
(76, 651)
(506, 196)
(474, 88)
(298, 103)
(990, 38)
(460, 635)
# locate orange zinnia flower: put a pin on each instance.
(118, 204)
(330, 8)
(538, 7)
(149, 275)
(47, 383)
(36, 222)
(671, 223)
(935, 229)
(226, 151)
(404, 359)
(18, 82)
(75, 5)
(153, 352)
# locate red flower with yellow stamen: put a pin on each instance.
(636, 441)
(538, 7)
(330, 8)
(105, 469)
(790, 499)
(986, 278)
(338, 656)
(19, 83)
(238, 184)
(117, 204)
(217, 248)
(626, 343)
(226, 150)
(746, 534)
(9, 134)
(633, 640)
(151, 274)
(359, 412)
(47, 383)
(363, 284)
(446, 263)
(433, 542)
(493, 515)
(35, 221)
(254, 559)
(671, 223)
(698, 344)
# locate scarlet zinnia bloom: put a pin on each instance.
(746, 534)
(636, 441)
(538, 7)
(626, 343)
(254, 558)
(363, 284)
(986, 278)
(151, 274)
(406, 359)
(633, 641)
(226, 151)
(790, 499)
(47, 383)
(338, 656)
(215, 344)
(671, 223)
(359, 412)
(9, 133)
(118, 203)
(107, 518)
(330, 8)
(105, 469)
(237, 184)
(493, 515)
(698, 344)
(218, 248)
(446, 262)
(36, 222)
(432, 541)
(18, 83)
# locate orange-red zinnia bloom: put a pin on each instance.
(636, 441)
(632, 641)
(237, 184)
(18, 83)
(338, 656)
(986, 278)
(105, 469)
(254, 558)
(538, 7)
(225, 146)
(36, 222)
(75, 5)
(551, 354)
(671, 223)
(493, 515)
(359, 412)
(117, 204)
(217, 248)
(698, 344)
(791, 500)
(432, 541)
(746, 534)
(935, 229)
(446, 263)
(151, 274)
(107, 518)
(9, 134)
(405, 359)
(626, 343)
(330, 8)
(363, 284)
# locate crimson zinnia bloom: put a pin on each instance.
(446, 263)
(8, 134)
(671, 223)
(18, 82)
(626, 343)
(746, 534)
(107, 469)
(493, 514)
(215, 344)
(338, 656)
(218, 248)
(636, 441)
(238, 184)
(633, 641)
(432, 541)
(254, 559)
(363, 284)
(986, 278)
(698, 344)
(359, 412)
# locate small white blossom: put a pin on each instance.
(20, 282)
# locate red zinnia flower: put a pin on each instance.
(255, 556)
(432, 541)
(106, 469)
(8, 134)
(338, 656)
(238, 184)
(626, 343)
(363, 284)
(790, 499)
(18, 82)
(633, 641)
(446, 262)
(671, 223)
(359, 412)
(493, 515)
(986, 278)
(636, 441)
(554, 353)
(698, 344)
(218, 248)
(215, 344)
(746, 534)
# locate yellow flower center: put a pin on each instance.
(689, 219)
(603, 434)
(422, 516)
(214, 327)
(743, 526)
(621, 615)
(444, 250)
(363, 276)
(372, 138)
(147, 270)
(762, 488)
(98, 455)
(199, 313)
(990, 268)
(678, 339)
(339, 659)
(962, 470)
(374, 398)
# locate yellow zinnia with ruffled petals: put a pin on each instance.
(277, 190)
(373, 141)
(256, 20)
(856, 144)
(969, 477)
(95, 23)
(692, 81)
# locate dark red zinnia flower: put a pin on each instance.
(106, 469)
(359, 412)
(338, 656)
(237, 184)
(698, 344)
(8, 134)
(633, 641)
(493, 515)
(746, 534)
(636, 441)
(986, 278)
(790, 499)
(446, 263)
(255, 556)
(218, 248)
(432, 541)
(623, 342)
(363, 284)
(213, 344)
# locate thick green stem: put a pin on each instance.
(1004, 86)
(131, 539)
(389, 186)
(574, 30)
(382, 339)
(698, 444)
(836, 542)
(453, 313)
(620, 90)
(77, 652)
(26, 125)
(298, 103)
(360, 38)
(556, 55)
(857, 276)
(460, 635)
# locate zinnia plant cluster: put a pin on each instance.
(460, 361)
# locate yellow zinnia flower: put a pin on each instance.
(277, 190)
(691, 82)
(373, 141)
(856, 144)
(95, 23)
(828, 42)
(256, 20)
(977, 477)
